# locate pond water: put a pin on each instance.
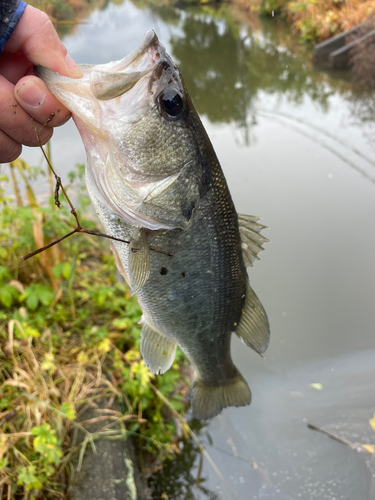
(297, 146)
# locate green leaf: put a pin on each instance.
(45, 296)
(36, 293)
(68, 411)
(67, 269)
(43, 431)
(8, 294)
(27, 477)
(4, 272)
(45, 443)
(32, 302)
(57, 270)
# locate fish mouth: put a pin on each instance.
(106, 81)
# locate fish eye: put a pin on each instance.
(171, 102)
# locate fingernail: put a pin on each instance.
(31, 94)
(74, 70)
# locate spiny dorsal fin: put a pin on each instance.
(251, 240)
(139, 262)
(157, 350)
(253, 328)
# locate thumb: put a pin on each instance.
(36, 38)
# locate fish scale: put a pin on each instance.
(154, 180)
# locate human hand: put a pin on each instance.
(34, 41)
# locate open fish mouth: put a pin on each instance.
(106, 81)
(104, 86)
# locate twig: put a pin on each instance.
(79, 228)
(58, 184)
(354, 446)
(331, 436)
(39, 250)
(200, 467)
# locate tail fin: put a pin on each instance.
(208, 400)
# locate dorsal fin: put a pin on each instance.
(253, 328)
(251, 238)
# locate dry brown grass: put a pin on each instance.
(314, 20)
(324, 18)
(41, 383)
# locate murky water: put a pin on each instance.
(297, 146)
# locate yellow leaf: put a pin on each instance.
(104, 346)
(29, 331)
(132, 355)
(369, 447)
(143, 373)
(372, 422)
(82, 358)
(317, 385)
(48, 363)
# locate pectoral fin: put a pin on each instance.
(139, 262)
(157, 350)
(253, 328)
(251, 240)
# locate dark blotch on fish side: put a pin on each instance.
(163, 271)
(187, 211)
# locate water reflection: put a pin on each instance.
(225, 70)
(226, 66)
(185, 469)
(275, 455)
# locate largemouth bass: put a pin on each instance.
(154, 180)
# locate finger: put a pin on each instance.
(35, 98)
(36, 38)
(14, 120)
(14, 66)
(9, 148)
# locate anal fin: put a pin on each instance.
(158, 351)
(139, 262)
(251, 239)
(253, 328)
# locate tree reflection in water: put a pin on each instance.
(184, 469)
(226, 65)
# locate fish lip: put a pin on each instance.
(149, 40)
